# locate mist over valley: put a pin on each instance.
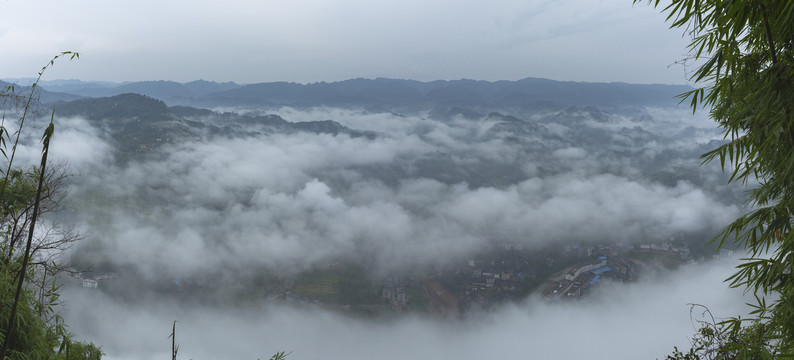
(389, 218)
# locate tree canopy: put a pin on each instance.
(746, 80)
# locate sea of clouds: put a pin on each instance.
(295, 201)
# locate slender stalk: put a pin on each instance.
(28, 102)
(773, 54)
(174, 347)
(768, 31)
(11, 243)
(9, 333)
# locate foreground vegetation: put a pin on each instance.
(29, 326)
(746, 49)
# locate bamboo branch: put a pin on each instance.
(9, 333)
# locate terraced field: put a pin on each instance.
(317, 285)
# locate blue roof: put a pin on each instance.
(596, 279)
(601, 270)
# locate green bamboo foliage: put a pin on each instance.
(747, 83)
(29, 328)
(11, 329)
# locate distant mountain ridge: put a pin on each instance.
(42, 95)
(383, 93)
(161, 89)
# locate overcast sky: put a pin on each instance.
(321, 40)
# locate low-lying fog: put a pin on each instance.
(636, 321)
(422, 191)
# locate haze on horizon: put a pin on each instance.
(298, 200)
(312, 41)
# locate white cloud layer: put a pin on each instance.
(302, 199)
(635, 321)
(292, 201)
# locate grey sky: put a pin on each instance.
(321, 40)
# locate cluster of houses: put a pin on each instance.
(578, 279)
(89, 280)
(395, 293)
(612, 263)
(498, 277)
(664, 248)
(494, 278)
